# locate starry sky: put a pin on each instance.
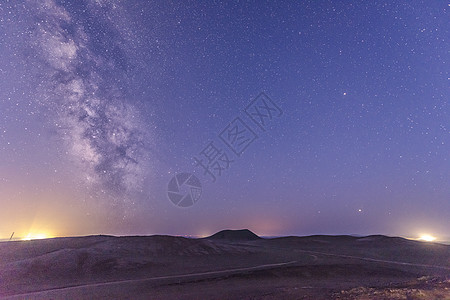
(340, 112)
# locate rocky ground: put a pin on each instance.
(228, 265)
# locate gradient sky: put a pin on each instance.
(103, 102)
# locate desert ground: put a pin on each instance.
(232, 264)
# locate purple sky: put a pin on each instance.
(103, 102)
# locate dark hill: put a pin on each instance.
(234, 235)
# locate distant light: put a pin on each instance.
(360, 210)
(345, 94)
(35, 236)
(427, 238)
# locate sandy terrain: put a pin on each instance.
(228, 265)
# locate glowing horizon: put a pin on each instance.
(35, 236)
(288, 126)
(427, 238)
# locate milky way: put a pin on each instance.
(103, 102)
(101, 130)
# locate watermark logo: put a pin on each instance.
(214, 160)
(184, 189)
(238, 136)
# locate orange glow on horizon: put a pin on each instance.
(36, 236)
(427, 238)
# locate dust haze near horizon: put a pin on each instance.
(103, 102)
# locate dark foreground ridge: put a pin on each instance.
(231, 264)
(234, 235)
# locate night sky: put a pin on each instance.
(294, 117)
